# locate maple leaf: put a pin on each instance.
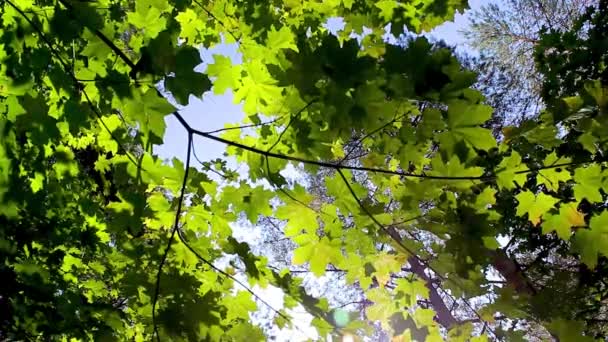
(383, 308)
(355, 268)
(189, 23)
(281, 39)
(37, 182)
(385, 264)
(299, 218)
(510, 172)
(569, 330)
(412, 290)
(589, 181)
(562, 223)
(553, 176)
(242, 305)
(149, 110)
(464, 120)
(148, 18)
(424, 317)
(386, 8)
(337, 188)
(226, 74)
(534, 206)
(318, 254)
(593, 242)
(454, 168)
(258, 88)
(184, 256)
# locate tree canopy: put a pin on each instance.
(506, 34)
(445, 232)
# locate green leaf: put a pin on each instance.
(588, 141)
(511, 172)
(344, 199)
(281, 39)
(253, 201)
(241, 305)
(318, 254)
(182, 86)
(569, 331)
(431, 122)
(588, 183)
(534, 206)
(162, 211)
(486, 198)
(183, 256)
(551, 177)
(226, 75)
(386, 8)
(258, 89)
(13, 108)
(186, 81)
(190, 25)
(95, 48)
(383, 308)
(593, 242)
(568, 217)
(147, 18)
(424, 317)
(37, 182)
(464, 120)
(299, 218)
(411, 290)
(598, 91)
(454, 168)
(543, 135)
(149, 110)
(385, 264)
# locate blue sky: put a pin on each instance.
(214, 111)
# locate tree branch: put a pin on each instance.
(103, 38)
(511, 272)
(444, 315)
(354, 168)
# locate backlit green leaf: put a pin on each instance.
(535, 206)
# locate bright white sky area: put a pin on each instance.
(215, 111)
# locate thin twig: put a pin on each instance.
(364, 302)
(173, 231)
(245, 126)
(371, 133)
(227, 275)
(203, 164)
(326, 270)
(287, 194)
(237, 39)
(291, 120)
